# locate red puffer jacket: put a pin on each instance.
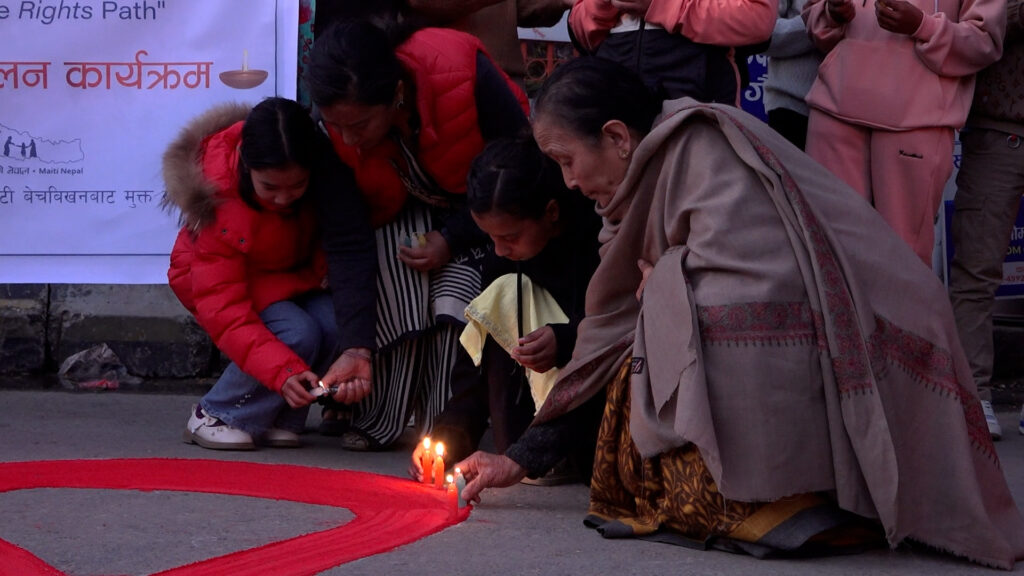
(442, 63)
(231, 261)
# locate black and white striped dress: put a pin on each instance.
(420, 316)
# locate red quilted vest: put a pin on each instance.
(442, 63)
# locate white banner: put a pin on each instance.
(91, 94)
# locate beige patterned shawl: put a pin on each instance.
(789, 334)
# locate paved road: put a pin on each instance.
(520, 530)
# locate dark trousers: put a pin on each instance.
(989, 188)
(673, 66)
(790, 124)
(496, 391)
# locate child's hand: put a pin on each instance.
(645, 273)
(898, 16)
(842, 11)
(296, 389)
(538, 350)
(433, 254)
(416, 467)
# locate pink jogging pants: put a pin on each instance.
(901, 174)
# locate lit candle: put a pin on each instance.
(439, 465)
(427, 460)
(453, 498)
(460, 485)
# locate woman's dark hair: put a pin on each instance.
(328, 13)
(586, 92)
(354, 61)
(512, 176)
(277, 132)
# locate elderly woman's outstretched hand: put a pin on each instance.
(485, 470)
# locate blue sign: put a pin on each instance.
(752, 100)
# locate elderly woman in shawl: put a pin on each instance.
(782, 373)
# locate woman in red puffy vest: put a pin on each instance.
(248, 263)
(408, 116)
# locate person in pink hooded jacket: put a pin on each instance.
(897, 80)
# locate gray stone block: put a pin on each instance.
(145, 325)
(23, 309)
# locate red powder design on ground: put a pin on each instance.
(389, 512)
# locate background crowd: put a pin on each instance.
(629, 277)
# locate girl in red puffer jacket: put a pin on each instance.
(248, 263)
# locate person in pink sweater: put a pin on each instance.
(897, 80)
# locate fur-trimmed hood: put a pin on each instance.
(189, 187)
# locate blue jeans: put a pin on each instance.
(307, 326)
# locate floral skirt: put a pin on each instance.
(673, 498)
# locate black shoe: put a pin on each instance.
(355, 440)
(561, 473)
(334, 421)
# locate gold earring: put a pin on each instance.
(623, 154)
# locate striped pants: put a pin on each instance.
(419, 319)
(410, 380)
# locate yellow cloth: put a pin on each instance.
(493, 313)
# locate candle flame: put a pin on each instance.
(449, 478)
(457, 470)
(426, 443)
(439, 448)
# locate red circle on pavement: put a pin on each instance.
(389, 511)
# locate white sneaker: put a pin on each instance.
(990, 418)
(212, 433)
(281, 438)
